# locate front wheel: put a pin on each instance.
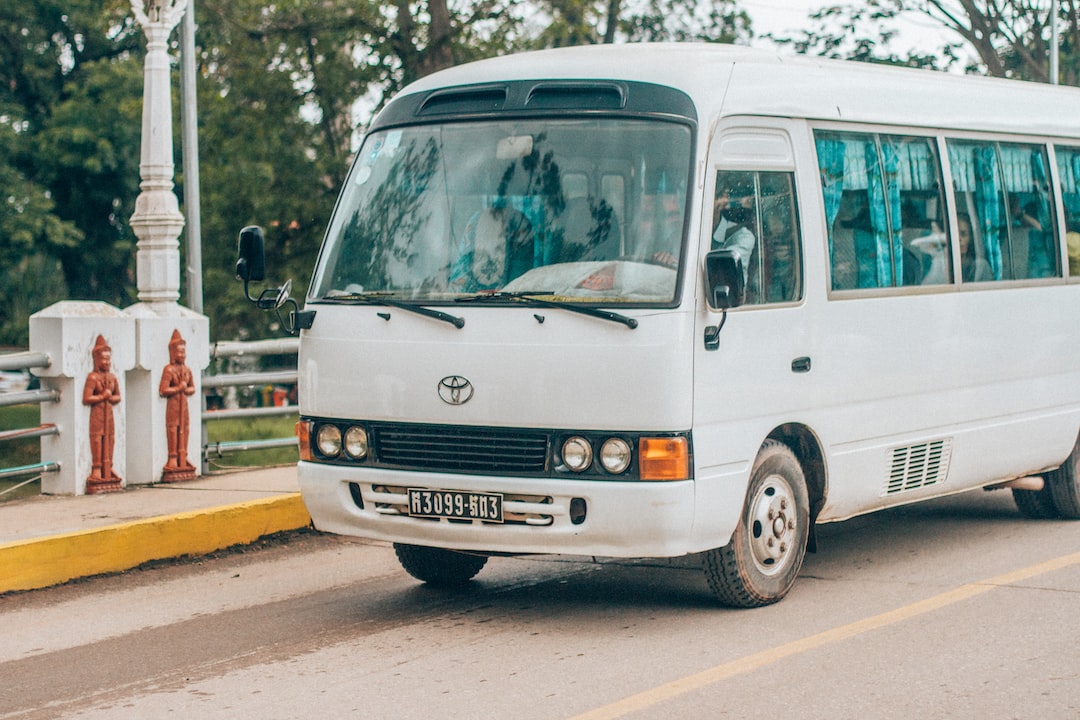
(760, 563)
(438, 567)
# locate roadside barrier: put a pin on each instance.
(236, 349)
(26, 361)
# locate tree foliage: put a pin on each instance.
(286, 89)
(1003, 38)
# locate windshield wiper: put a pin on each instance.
(375, 298)
(536, 298)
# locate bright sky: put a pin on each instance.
(789, 16)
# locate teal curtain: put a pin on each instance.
(1041, 261)
(883, 194)
(831, 165)
(988, 203)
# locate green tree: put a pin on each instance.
(1008, 38)
(285, 90)
(67, 168)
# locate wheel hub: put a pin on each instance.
(773, 525)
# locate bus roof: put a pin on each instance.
(735, 80)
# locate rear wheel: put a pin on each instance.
(1035, 504)
(435, 566)
(760, 564)
(1064, 485)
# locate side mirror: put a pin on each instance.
(251, 267)
(251, 255)
(725, 282)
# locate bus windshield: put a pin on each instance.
(583, 210)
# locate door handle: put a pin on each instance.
(800, 365)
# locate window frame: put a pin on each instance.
(940, 136)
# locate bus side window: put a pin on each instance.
(1003, 192)
(754, 214)
(885, 210)
(1068, 164)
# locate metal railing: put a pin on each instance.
(236, 349)
(221, 350)
(26, 361)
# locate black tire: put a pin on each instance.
(1035, 504)
(1064, 485)
(760, 564)
(438, 567)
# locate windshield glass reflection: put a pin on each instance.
(583, 210)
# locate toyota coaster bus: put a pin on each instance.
(661, 300)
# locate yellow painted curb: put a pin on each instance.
(41, 562)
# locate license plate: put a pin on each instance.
(455, 505)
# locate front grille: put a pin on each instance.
(460, 449)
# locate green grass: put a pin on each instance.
(261, 428)
(16, 453)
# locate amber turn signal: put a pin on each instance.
(303, 437)
(664, 458)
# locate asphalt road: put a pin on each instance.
(958, 608)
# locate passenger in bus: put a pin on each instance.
(1072, 244)
(733, 220)
(659, 228)
(495, 248)
(589, 231)
(974, 268)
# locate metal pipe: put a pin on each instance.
(28, 433)
(24, 361)
(281, 346)
(250, 412)
(1054, 42)
(28, 396)
(30, 469)
(283, 377)
(221, 448)
(189, 149)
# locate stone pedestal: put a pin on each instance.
(66, 332)
(148, 450)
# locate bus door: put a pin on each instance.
(752, 367)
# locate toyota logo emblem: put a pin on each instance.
(455, 390)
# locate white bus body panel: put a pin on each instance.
(570, 371)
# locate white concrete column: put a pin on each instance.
(148, 448)
(66, 332)
(157, 223)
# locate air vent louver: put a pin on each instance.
(917, 466)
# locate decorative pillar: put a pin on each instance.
(68, 333)
(157, 223)
(137, 336)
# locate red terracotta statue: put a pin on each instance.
(101, 392)
(177, 385)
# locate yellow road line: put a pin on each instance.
(675, 688)
(41, 562)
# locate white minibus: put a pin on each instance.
(662, 300)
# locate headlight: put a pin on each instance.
(328, 440)
(356, 443)
(615, 455)
(577, 454)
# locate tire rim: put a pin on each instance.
(774, 525)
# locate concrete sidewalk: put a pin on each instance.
(47, 540)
